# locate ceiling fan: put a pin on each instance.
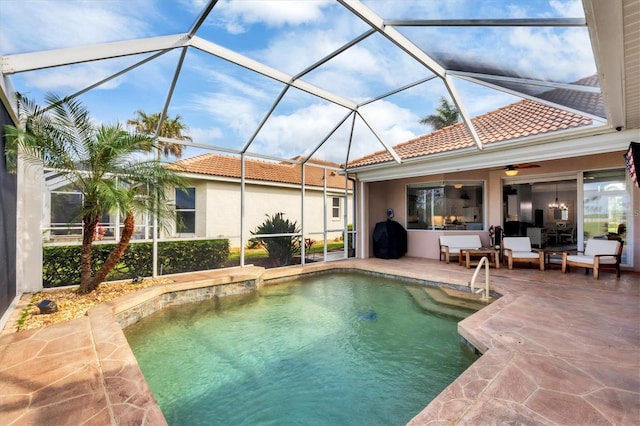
(512, 169)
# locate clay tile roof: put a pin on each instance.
(229, 167)
(523, 118)
(593, 103)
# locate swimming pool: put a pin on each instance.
(325, 349)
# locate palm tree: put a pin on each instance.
(447, 114)
(171, 128)
(103, 163)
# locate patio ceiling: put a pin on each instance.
(333, 80)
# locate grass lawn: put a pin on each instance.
(234, 253)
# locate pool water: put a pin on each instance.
(334, 349)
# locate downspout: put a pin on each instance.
(242, 208)
(303, 251)
(354, 212)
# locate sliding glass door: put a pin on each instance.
(607, 208)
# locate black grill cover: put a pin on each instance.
(389, 240)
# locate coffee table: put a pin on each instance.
(490, 252)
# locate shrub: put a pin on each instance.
(61, 264)
(281, 250)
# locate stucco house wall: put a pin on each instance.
(218, 209)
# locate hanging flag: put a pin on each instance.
(632, 161)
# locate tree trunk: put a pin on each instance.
(116, 253)
(88, 228)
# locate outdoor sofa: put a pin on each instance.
(450, 245)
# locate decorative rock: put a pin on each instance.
(47, 307)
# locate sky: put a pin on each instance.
(223, 105)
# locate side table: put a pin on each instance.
(552, 258)
(490, 252)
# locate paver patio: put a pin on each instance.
(558, 349)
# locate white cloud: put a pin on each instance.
(567, 8)
(273, 13)
(55, 24)
(391, 122)
(292, 52)
(229, 83)
(68, 80)
(206, 136)
(237, 112)
(404, 9)
(366, 70)
(195, 6)
(566, 55)
(302, 130)
(291, 134)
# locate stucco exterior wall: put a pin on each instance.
(29, 227)
(424, 243)
(218, 209)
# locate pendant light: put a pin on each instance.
(556, 204)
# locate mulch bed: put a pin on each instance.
(72, 305)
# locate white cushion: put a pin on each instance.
(519, 244)
(601, 247)
(524, 255)
(457, 242)
(589, 260)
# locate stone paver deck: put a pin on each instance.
(558, 349)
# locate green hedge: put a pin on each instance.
(61, 264)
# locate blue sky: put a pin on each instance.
(223, 104)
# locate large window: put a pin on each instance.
(186, 211)
(445, 206)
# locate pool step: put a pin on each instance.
(455, 295)
(436, 304)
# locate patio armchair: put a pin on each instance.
(518, 249)
(599, 254)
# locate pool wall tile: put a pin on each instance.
(171, 297)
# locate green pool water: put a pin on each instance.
(344, 349)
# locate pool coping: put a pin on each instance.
(498, 387)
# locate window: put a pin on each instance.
(335, 207)
(66, 218)
(445, 206)
(186, 210)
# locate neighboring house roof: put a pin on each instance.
(229, 167)
(521, 119)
